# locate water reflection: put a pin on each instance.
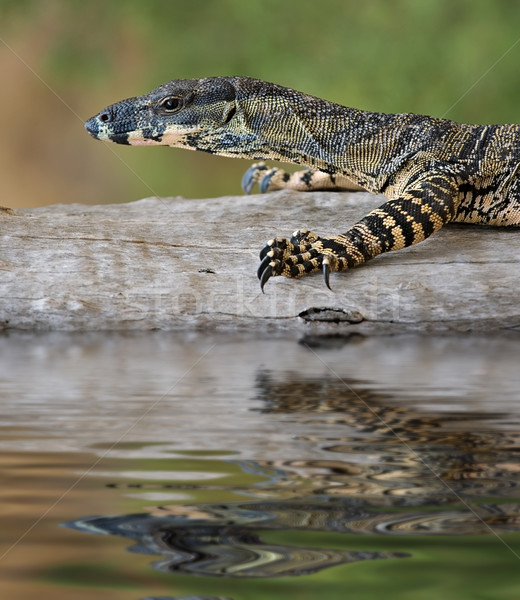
(391, 470)
(392, 451)
(224, 543)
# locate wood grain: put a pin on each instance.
(175, 263)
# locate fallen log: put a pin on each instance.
(175, 263)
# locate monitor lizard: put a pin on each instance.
(433, 171)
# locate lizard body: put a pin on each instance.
(433, 171)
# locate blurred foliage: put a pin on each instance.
(453, 58)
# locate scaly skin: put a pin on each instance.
(433, 171)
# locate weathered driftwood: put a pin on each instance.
(171, 263)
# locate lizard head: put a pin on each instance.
(200, 114)
(239, 117)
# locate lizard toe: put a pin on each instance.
(253, 175)
(266, 181)
(281, 244)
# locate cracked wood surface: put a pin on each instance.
(168, 263)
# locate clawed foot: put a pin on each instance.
(306, 180)
(304, 253)
(268, 178)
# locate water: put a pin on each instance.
(165, 466)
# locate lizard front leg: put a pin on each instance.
(425, 205)
(304, 180)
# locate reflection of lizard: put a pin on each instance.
(227, 543)
(407, 454)
(432, 171)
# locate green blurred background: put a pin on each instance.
(61, 61)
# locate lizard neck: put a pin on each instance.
(294, 127)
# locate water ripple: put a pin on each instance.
(219, 549)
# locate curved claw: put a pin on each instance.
(266, 275)
(262, 266)
(249, 178)
(266, 180)
(267, 248)
(326, 272)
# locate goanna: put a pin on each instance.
(433, 171)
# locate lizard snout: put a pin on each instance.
(92, 126)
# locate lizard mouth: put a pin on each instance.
(126, 132)
(97, 128)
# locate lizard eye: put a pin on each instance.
(170, 104)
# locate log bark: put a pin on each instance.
(175, 263)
